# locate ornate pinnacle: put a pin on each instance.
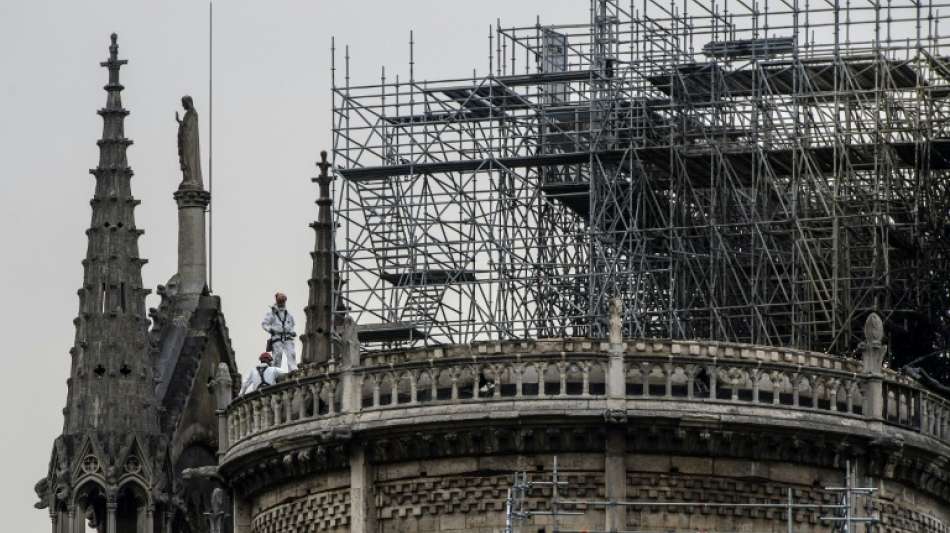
(319, 312)
(324, 178)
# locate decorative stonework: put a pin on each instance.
(471, 494)
(322, 511)
(192, 198)
(90, 464)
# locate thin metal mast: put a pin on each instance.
(210, 142)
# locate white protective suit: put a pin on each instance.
(254, 378)
(279, 324)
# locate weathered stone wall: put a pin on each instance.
(467, 495)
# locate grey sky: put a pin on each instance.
(271, 119)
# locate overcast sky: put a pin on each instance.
(271, 119)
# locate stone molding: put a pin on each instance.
(192, 198)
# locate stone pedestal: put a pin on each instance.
(192, 248)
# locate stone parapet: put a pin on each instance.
(679, 373)
(688, 398)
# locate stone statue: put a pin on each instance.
(616, 320)
(873, 348)
(189, 154)
(873, 328)
(217, 515)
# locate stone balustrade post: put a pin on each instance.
(350, 361)
(872, 358)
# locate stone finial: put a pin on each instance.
(223, 386)
(873, 349)
(324, 165)
(616, 321)
(873, 328)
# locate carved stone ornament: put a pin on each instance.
(90, 464)
(615, 416)
(133, 465)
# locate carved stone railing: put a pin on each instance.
(482, 379)
(285, 403)
(683, 374)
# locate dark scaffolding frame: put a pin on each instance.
(761, 171)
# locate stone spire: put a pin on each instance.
(110, 369)
(111, 418)
(316, 339)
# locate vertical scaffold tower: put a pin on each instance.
(757, 171)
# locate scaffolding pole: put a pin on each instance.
(842, 515)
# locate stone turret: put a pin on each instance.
(103, 466)
(316, 339)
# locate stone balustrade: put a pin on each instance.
(675, 372)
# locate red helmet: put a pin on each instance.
(266, 357)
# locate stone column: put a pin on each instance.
(192, 251)
(362, 508)
(222, 397)
(241, 513)
(111, 506)
(71, 523)
(615, 477)
(615, 470)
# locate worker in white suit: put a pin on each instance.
(263, 375)
(279, 324)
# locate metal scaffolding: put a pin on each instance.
(845, 515)
(752, 171)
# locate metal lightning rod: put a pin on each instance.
(210, 143)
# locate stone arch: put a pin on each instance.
(368, 386)
(89, 500)
(633, 379)
(132, 506)
(424, 387)
(386, 387)
(805, 389)
(530, 379)
(552, 380)
(444, 384)
(403, 388)
(679, 381)
(574, 379)
(466, 382)
(597, 380)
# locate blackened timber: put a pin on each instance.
(573, 158)
(428, 277)
(696, 159)
(389, 332)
